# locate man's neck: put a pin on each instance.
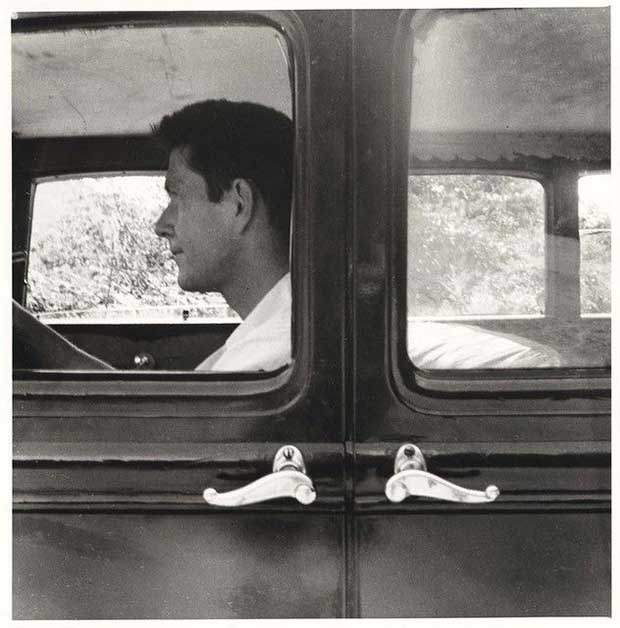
(248, 291)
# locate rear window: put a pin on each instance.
(95, 257)
(595, 239)
(477, 246)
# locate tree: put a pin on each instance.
(476, 245)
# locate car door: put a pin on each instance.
(541, 436)
(110, 468)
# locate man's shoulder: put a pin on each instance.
(264, 348)
(262, 342)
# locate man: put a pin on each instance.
(228, 221)
(229, 181)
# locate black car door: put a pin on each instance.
(541, 436)
(110, 468)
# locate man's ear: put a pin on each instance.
(244, 197)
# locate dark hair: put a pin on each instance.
(229, 140)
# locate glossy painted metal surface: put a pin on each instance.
(52, 475)
(528, 473)
(484, 563)
(175, 565)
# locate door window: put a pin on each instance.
(508, 229)
(86, 102)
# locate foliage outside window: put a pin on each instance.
(476, 246)
(595, 243)
(477, 275)
(94, 255)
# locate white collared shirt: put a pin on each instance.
(262, 342)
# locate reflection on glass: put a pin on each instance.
(120, 80)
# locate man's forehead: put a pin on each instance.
(178, 164)
(179, 155)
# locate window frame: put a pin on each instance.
(279, 388)
(583, 390)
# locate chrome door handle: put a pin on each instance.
(288, 479)
(411, 478)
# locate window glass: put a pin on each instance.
(95, 257)
(477, 245)
(508, 242)
(121, 79)
(123, 262)
(595, 239)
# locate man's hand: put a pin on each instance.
(43, 348)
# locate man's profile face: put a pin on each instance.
(200, 232)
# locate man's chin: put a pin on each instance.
(187, 284)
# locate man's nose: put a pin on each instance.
(163, 226)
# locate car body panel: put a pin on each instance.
(177, 565)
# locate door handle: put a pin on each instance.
(412, 479)
(288, 479)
